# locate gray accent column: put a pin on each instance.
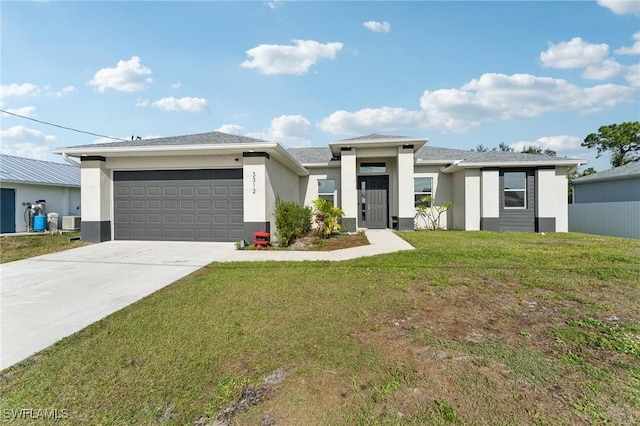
(251, 227)
(545, 224)
(95, 232)
(348, 224)
(406, 224)
(490, 223)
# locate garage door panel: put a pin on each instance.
(193, 205)
(203, 191)
(187, 191)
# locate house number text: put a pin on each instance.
(253, 179)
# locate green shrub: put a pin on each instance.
(292, 221)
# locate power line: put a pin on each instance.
(62, 127)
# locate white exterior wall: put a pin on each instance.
(175, 162)
(442, 187)
(280, 182)
(472, 200)
(552, 196)
(405, 174)
(490, 194)
(458, 214)
(309, 185)
(348, 183)
(96, 191)
(254, 177)
(59, 199)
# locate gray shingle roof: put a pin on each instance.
(441, 154)
(311, 155)
(27, 170)
(627, 171)
(375, 136)
(493, 156)
(209, 138)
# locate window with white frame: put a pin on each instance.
(327, 189)
(422, 187)
(515, 190)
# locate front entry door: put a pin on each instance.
(374, 201)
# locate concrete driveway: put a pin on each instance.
(46, 298)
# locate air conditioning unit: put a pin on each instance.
(70, 223)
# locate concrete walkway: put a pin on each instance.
(46, 298)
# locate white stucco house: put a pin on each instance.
(221, 187)
(24, 181)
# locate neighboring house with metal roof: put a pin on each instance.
(618, 184)
(220, 187)
(607, 202)
(23, 181)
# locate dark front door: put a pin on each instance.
(8, 210)
(374, 201)
(376, 208)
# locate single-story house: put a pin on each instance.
(221, 187)
(23, 181)
(607, 202)
(618, 184)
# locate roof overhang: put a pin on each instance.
(273, 149)
(561, 162)
(414, 143)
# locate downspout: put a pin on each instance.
(70, 160)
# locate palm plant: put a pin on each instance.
(327, 217)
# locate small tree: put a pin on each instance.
(430, 213)
(327, 217)
(622, 140)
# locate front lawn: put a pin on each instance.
(469, 328)
(21, 247)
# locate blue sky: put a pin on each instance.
(542, 73)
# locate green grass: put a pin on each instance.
(469, 328)
(14, 248)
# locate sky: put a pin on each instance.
(302, 73)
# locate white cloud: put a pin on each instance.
(603, 71)
(15, 90)
(621, 7)
(127, 76)
(277, 59)
(275, 4)
(26, 111)
(633, 75)
(503, 97)
(633, 50)
(232, 129)
(176, 85)
(291, 130)
(174, 104)
(372, 120)
(488, 98)
(556, 143)
(377, 27)
(64, 91)
(26, 150)
(576, 53)
(22, 132)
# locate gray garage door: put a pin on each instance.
(178, 205)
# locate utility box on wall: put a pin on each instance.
(70, 223)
